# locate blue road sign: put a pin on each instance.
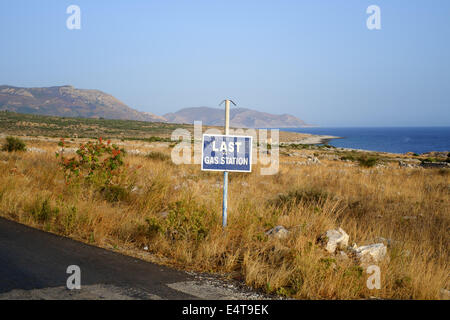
(227, 153)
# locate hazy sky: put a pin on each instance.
(313, 59)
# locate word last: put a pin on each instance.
(227, 148)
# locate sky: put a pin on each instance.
(316, 60)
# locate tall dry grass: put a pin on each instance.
(176, 212)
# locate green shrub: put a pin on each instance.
(348, 157)
(42, 211)
(115, 193)
(363, 160)
(156, 155)
(157, 139)
(367, 162)
(14, 144)
(185, 221)
(96, 162)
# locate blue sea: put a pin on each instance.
(387, 139)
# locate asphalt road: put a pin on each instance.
(33, 265)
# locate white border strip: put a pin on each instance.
(229, 136)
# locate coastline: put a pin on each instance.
(391, 140)
(313, 140)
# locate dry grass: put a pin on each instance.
(366, 202)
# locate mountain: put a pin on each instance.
(239, 118)
(67, 101)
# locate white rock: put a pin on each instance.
(313, 159)
(371, 253)
(37, 150)
(279, 232)
(335, 239)
(135, 152)
(146, 248)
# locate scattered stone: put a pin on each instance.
(435, 165)
(332, 157)
(371, 253)
(403, 164)
(36, 150)
(334, 239)
(135, 152)
(313, 159)
(70, 150)
(279, 232)
(436, 154)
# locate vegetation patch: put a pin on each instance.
(157, 155)
(42, 211)
(368, 161)
(97, 161)
(175, 211)
(186, 220)
(312, 196)
(14, 144)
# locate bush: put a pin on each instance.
(13, 144)
(97, 162)
(185, 221)
(115, 193)
(363, 160)
(42, 210)
(156, 155)
(368, 162)
(157, 139)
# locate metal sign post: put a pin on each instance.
(225, 173)
(228, 154)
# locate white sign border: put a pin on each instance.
(231, 136)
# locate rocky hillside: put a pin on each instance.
(239, 117)
(67, 101)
